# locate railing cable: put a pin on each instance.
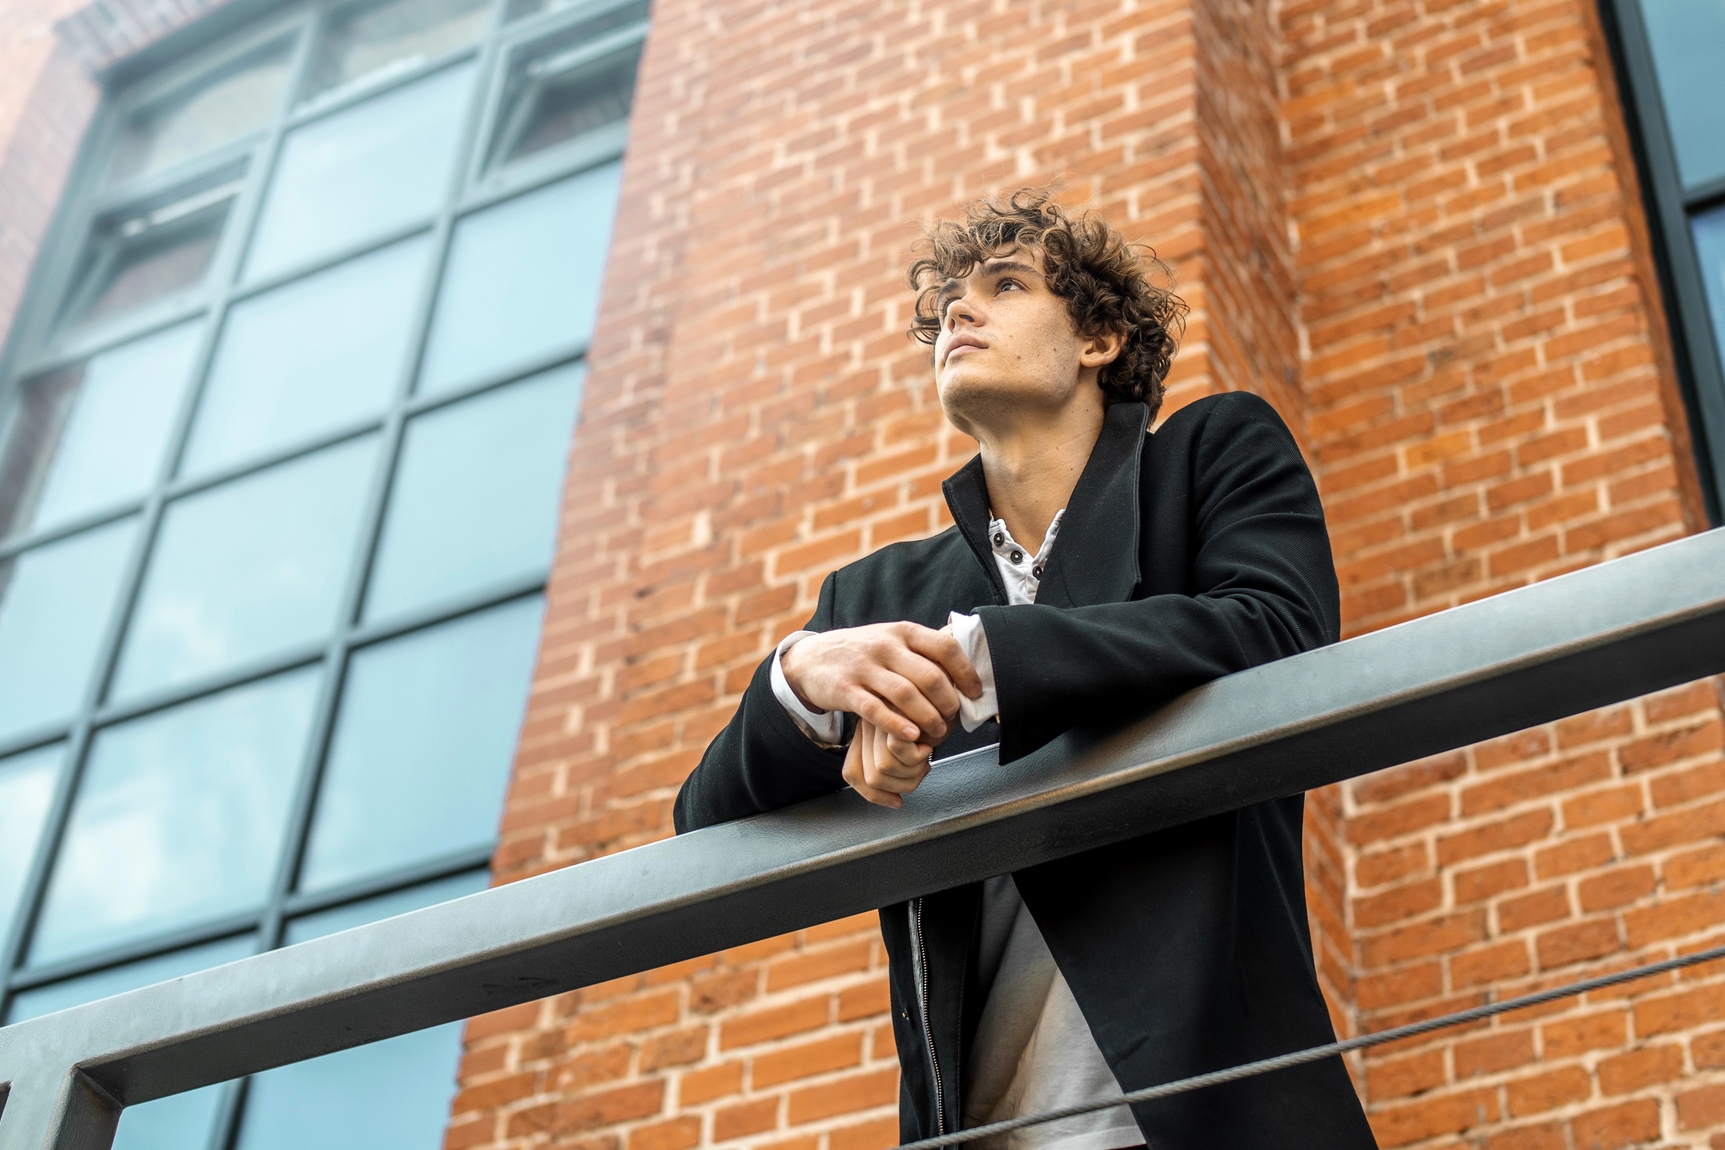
(1316, 1053)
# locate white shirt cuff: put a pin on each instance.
(967, 629)
(826, 728)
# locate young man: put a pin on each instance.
(1095, 572)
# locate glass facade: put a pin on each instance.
(1669, 53)
(281, 454)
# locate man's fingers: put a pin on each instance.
(875, 773)
(943, 649)
(870, 708)
(905, 698)
(929, 678)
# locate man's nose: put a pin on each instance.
(960, 307)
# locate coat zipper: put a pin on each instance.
(922, 1008)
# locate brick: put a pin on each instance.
(1445, 1114)
(1611, 1127)
(1548, 1090)
(1492, 1053)
(788, 1063)
(775, 1022)
(1567, 1037)
(1639, 1069)
(843, 1096)
(1502, 834)
(1563, 945)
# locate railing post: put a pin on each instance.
(57, 1110)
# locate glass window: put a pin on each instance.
(179, 818)
(207, 113)
(422, 746)
(309, 357)
(523, 280)
(394, 1093)
(385, 906)
(133, 975)
(1709, 230)
(151, 258)
(1686, 37)
(91, 435)
(248, 569)
(564, 94)
(362, 171)
(476, 493)
(26, 789)
(55, 603)
(363, 40)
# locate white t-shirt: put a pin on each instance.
(1033, 1050)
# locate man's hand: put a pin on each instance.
(882, 769)
(902, 678)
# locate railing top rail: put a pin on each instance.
(1610, 632)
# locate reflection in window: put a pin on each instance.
(422, 746)
(248, 569)
(211, 111)
(1709, 230)
(522, 281)
(561, 95)
(26, 788)
(394, 1093)
(385, 906)
(119, 979)
(147, 259)
(92, 434)
(360, 172)
(1686, 36)
(364, 39)
(179, 818)
(309, 357)
(55, 603)
(476, 494)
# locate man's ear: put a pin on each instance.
(1101, 349)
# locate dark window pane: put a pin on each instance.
(362, 171)
(119, 979)
(363, 39)
(476, 493)
(209, 112)
(394, 1094)
(422, 746)
(247, 569)
(385, 906)
(566, 93)
(148, 259)
(179, 818)
(26, 787)
(309, 357)
(1709, 231)
(55, 603)
(1688, 38)
(91, 435)
(523, 280)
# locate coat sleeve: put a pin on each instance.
(761, 761)
(1262, 586)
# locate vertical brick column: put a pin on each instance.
(46, 99)
(1487, 407)
(756, 417)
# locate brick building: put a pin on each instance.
(1467, 250)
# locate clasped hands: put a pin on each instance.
(902, 681)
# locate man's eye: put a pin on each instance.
(1004, 284)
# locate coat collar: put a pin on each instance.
(1095, 559)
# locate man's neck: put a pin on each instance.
(1031, 467)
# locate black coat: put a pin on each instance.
(1183, 555)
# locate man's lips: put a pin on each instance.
(963, 343)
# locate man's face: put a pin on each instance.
(1008, 343)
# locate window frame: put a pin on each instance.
(1695, 345)
(39, 343)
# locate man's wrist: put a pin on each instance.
(791, 665)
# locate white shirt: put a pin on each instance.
(1033, 1050)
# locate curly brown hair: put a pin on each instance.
(1105, 281)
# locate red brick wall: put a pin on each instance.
(1487, 407)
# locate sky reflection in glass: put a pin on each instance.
(308, 358)
(361, 172)
(522, 280)
(248, 569)
(26, 788)
(476, 493)
(55, 604)
(179, 818)
(422, 745)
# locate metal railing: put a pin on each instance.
(1529, 656)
